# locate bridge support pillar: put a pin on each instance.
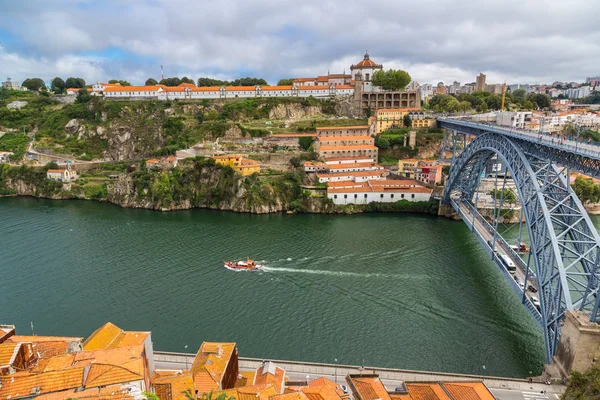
(579, 345)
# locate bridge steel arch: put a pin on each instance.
(565, 245)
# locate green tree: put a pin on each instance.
(249, 82)
(482, 108)
(83, 96)
(305, 142)
(205, 82)
(407, 120)
(509, 195)
(382, 142)
(583, 386)
(211, 115)
(57, 85)
(74, 83)
(494, 102)
(285, 82)
(519, 95)
(540, 100)
(170, 81)
(369, 113)
(569, 129)
(528, 105)
(185, 79)
(151, 82)
(586, 190)
(120, 82)
(593, 98)
(464, 106)
(34, 84)
(150, 396)
(391, 79)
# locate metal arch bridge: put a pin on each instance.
(565, 246)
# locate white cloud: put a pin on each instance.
(435, 40)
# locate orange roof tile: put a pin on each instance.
(276, 88)
(347, 158)
(113, 392)
(55, 171)
(322, 78)
(269, 373)
(339, 128)
(427, 391)
(351, 173)
(105, 374)
(260, 392)
(344, 87)
(367, 387)
(206, 89)
(334, 167)
(304, 79)
(209, 365)
(398, 109)
(7, 351)
(351, 147)
(292, 135)
(241, 88)
(468, 390)
(327, 389)
(152, 88)
(23, 384)
(292, 396)
(314, 87)
(172, 386)
(110, 336)
(348, 138)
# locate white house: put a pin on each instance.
(383, 191)
(62, 175)
(517, 120)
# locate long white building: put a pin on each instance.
(189, 91)
(382, 191)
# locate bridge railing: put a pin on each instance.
(591, 149)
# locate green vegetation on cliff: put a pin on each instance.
(583, 386)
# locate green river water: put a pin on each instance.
(394, 290)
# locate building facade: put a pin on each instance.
(480, 83)
(366, 68)
(11, 85)
(241, 165)
(512, 119)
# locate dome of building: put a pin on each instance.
(366, 62)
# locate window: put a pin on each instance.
(392, 196)
(381, 196)
(355, 196)
(412, 196)
(335, 196)
(345, 196)
(402, 196)
(365, 195)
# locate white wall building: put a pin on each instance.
(578, 93)
(11, 85)
(366, 68)
(517, 120)
(382, 191)
(5, 156)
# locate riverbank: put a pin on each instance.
(196, 183)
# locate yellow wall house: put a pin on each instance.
(407, 167)
(394, 117)
(241, 165)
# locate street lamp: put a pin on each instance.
(335, 370)
(186, 357)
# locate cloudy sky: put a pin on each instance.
(520, 41)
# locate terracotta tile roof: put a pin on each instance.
(276, 88)
(427, 391)
(305, 79)
(240, 88)
(347, 158)
(23, 384)
(340, 184)
(409, 160)
(37, 339)
(7, 350)
(57, 363)
(245, 378)
(315, 87)
(468, 390)
(340, 128)
(113, 392)
(351, 147)
(292, 135)
(334, 167)
(51, 349)
(339, 76)
(366, 63)
(55, 171)
(228, 156)
(322, 78)
(172, 386)
(261, 392)
(206, 89)
(337, 138)
(209, 365)
(105, 374)
(398, 109)
(293, 396)
(327, 389)
(350, 173)
(344, 87)
(367, 388)
(269, 373)
(152, 88)
(110, 336)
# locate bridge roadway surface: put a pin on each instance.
(501, 388)
(485, 233)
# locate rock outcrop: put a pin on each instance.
(293, 111)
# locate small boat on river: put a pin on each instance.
(248, 265)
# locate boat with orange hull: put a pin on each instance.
(248, 265)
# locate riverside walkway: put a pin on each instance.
(502, 388)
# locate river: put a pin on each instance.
(394, 290)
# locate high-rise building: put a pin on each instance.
(480, 83)
(454, 88)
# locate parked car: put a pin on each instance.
(344, 388)
(535, 302)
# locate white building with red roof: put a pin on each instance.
(366, 68)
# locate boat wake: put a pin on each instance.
(324, 272)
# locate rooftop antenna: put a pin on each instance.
(162, 73)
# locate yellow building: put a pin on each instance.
(388, 118)
(407, 167)
(241, 165)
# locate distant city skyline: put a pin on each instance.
(434, 41)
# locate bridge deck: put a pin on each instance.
(485, 234)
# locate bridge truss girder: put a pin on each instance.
(565, 245)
